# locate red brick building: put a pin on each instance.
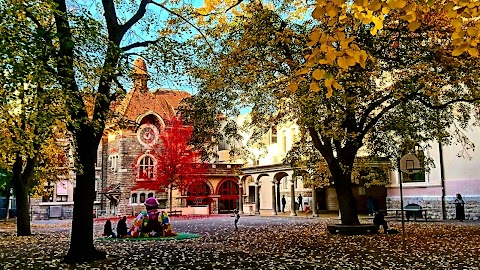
(123, 156)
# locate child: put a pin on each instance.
(107, 229)
(237, 217)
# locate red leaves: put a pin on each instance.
(175, 161)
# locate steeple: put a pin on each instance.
(139, 74)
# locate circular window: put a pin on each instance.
(147, 135)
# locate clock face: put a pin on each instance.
(147, 135)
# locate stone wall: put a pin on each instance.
(472, 205)
(41, 210)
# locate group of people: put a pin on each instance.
(150, 223)
(121, 228)
(379, 218)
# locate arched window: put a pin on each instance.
(134, 197)
(228, 200)
(150, 195)
(199, 188)
(228, 187)
(142, 197)
(146, 168)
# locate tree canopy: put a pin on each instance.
(396, 86)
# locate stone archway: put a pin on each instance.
(277, 180)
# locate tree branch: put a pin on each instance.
(136, 17)
(139, 44)
(115, 95)
(236, 4)
(184, 19)
(374, 121)
(111, 18)
(373, 106)
(446, 104)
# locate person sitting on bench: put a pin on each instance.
(379, 220)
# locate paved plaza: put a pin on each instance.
(279, 242)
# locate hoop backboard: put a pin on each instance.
(410, 164)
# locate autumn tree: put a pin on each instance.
(31, 104)
(176, 163)
(91, 56)
(394, 88)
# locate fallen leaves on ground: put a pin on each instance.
(263, 243)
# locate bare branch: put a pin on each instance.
(184, 19)
(374, 121)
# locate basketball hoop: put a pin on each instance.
(410, 164)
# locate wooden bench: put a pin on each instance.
(352, 229)
(175, 213)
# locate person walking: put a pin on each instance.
(371, 206)
(459, 208)
(300, 202)
(284, 202)
(237, 217)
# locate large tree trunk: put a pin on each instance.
(21, 194)
(81, 243)
(346, 200)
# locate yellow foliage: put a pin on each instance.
(302, 71)
(314, 87)
(414, 26)
(318, 74)
(342, 62)
(472, 31)
(473, 52)
(463, 47)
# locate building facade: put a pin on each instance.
(255, 186)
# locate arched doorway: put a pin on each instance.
(198, 195)
(228, 191)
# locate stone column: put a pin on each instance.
(279, 207)
(293, 212)
(314, 203)
(240, 196)
(257, 203)
(274, 200)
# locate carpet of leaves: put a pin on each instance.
(290, 245)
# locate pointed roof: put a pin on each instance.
(162, 101)
(139, 67)
(139, 100)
